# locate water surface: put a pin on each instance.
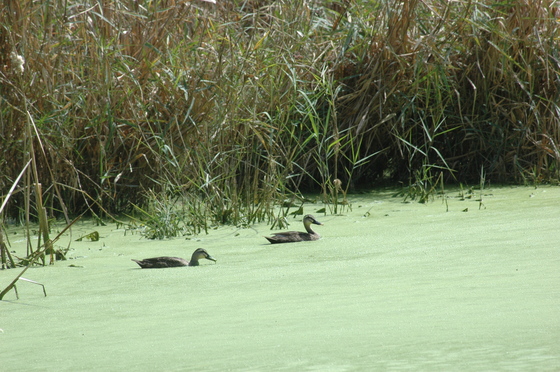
(391, 286)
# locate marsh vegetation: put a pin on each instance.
(188, 115)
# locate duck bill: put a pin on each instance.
(211, 258)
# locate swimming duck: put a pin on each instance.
(161, 262)
(296, 236)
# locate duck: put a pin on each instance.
(161, 262)
(296, 236)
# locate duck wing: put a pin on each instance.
(161, 262)
(288, 237)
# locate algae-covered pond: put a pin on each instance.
(391, 286)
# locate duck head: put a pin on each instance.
(309, 219)
(201, 253)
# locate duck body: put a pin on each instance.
(292, 237)
(297, 236)
(162, 262)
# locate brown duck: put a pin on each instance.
(296, 236)
(161, 262)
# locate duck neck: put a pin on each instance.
(193, 262)
(309, 229)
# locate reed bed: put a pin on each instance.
(228, 109)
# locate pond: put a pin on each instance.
(465, 285)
